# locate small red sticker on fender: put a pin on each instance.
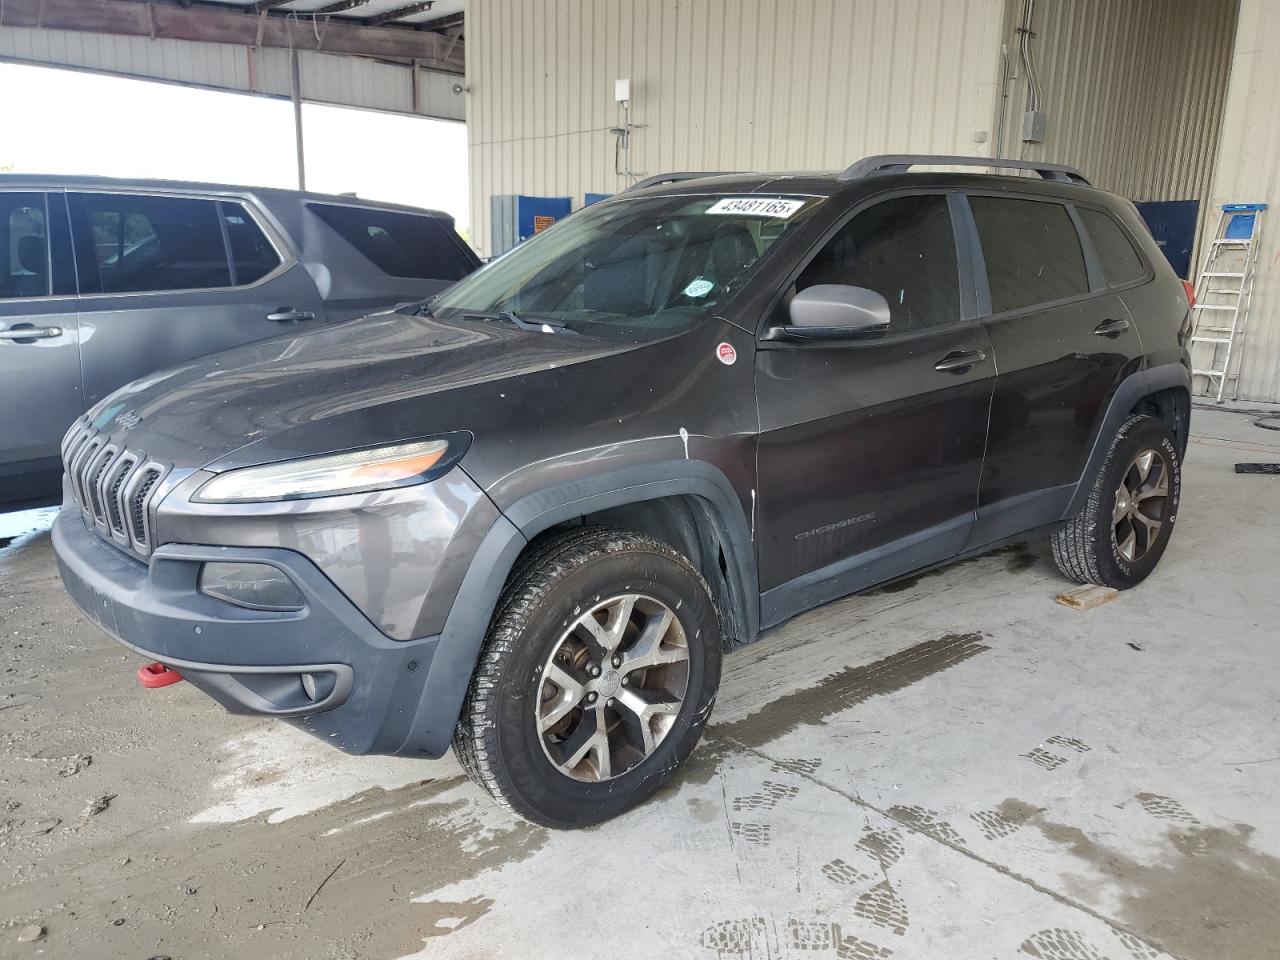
(726, 354)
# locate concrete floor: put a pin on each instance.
(956, 768)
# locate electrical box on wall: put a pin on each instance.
(516, 218)
(1033, 126)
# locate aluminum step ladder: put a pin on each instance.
(1222, 294)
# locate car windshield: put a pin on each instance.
(638, 268)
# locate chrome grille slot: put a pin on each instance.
(76, 471)
(119, 474)
(93, 482)
(139, 497)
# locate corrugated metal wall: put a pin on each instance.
(345, 81)
(1133, 91)
(719, 85)
(1248, 170)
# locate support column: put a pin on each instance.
(295, 89)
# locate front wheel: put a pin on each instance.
(595, 681)
(1120, 535)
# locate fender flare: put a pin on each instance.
(468, 620)
(1132, 389)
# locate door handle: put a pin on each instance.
(288, 313)
(30, 333)
(958, 361)
(1111, 328)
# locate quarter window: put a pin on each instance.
(1032, 252)
(128, 243)
(905, 250)
(399, 244)
(25, 254)
(1121, 263)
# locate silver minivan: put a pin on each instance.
(106, 281)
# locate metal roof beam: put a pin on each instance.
(338, 7)
(400, 12)
(203, 24)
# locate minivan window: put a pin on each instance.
(1121, 263)
(639, 268)
(25, 256)
(905, 250)
(1032, 252)
(399, 244)
(252, 255)
(130, 243)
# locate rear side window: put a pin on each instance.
(905, 250)
(24, 246)
(129, 243)
(1032, 252)
(252, 255)
(1121, 263)
(399, 244)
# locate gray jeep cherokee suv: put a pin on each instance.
(526, 517)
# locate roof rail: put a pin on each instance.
(678, 177)
(902, 162)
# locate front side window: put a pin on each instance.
(1032, 252)
(1121, 263)
(129, 243)
(252, 255)
(638, 268)
(905, 250)
(25, 256)
(399, 244)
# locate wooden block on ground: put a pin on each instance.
(1090, 595)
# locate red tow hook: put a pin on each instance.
(153, 675)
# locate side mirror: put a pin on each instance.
(828, 311)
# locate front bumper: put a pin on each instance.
(370, 691)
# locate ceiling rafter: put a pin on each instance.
(233, 25)
(400, 13)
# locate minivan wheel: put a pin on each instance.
(595, 681)
(1119, 536)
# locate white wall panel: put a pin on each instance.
(344, 81)
(1248, 170)
(718, 85)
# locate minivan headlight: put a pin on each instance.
(356, 471)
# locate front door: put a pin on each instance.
(870, 450)
(1062, 342)
(40, 392)
(166, 279)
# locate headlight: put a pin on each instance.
(356, 471)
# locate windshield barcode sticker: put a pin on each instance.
(775, 207)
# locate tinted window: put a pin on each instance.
(24, 254)
(127, 243)
(1032, 251)
(399, 244)
(1121, 263)
(903, 249)
(252, 256)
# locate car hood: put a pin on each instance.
(379, 379)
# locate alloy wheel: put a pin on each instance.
(612, 687)
(1141, 505)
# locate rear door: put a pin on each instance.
(40, 390)
(1063, 341)
(167, 278)
(870, 449)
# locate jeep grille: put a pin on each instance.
(112, 485)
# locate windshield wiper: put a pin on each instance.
(508, 316)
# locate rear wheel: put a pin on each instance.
(1120, 535)
(595, 681)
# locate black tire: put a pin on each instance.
(1091, 548)
(497, 740)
